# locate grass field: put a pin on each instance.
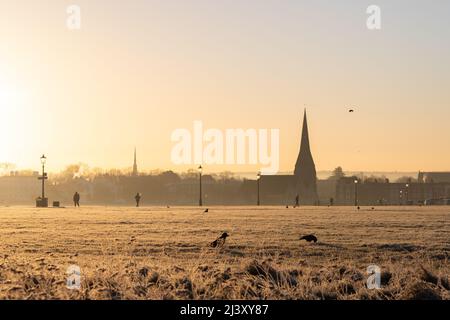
(163, 253)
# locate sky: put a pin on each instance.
(138, 70)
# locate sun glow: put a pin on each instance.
(13, 120)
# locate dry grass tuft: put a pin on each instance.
(421, 291)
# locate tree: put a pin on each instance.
(375, 179)
(169, 177)
(406, 179)
(6, 168)
(73, 171)
(337, 174)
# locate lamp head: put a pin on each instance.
(43, 159)
(200, 169)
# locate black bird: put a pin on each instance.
(309, 238)
(206, 210)
(220, 241)
(351, 110)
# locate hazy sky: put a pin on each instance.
(139, 69)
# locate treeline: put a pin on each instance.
(157, 188)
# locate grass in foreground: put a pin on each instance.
(156, 253)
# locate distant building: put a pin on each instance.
(431, 188)
(429, 177)
(282, 189)
(385, 193)
(277, 189)
(135, 167)
(18, 188)
(305, 170)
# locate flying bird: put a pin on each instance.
(309, 238)
(351, 110)
(220, 241)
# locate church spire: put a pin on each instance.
(304, 156)
(305, 169)
(305, 135)
(135, 169)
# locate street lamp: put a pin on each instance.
(407, 193)
(356, 192)
(43, 201)
(44, 176)
(258, 178)
(401, 197)
(200, 200)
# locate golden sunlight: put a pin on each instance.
(13, 118)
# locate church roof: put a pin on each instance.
(305, 160)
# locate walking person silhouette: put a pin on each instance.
(138, 199)
(76, 199)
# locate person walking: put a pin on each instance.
(297, 201)
(138, 199)
(76, 199)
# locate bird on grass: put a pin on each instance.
(309, 238)
(220, 241)
(132, 239)
(206, 210)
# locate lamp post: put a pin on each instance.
(43, 201)
(356, 192)
(44, 175)
(258, 178)
(407, 193)
(200, 199)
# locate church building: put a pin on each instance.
(283, 189)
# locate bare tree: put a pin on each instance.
(406, 179)
(6, 168)
(337, 174)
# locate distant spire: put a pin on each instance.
(305, 150)
(135, 169)
(305, 135)
(305, 169)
